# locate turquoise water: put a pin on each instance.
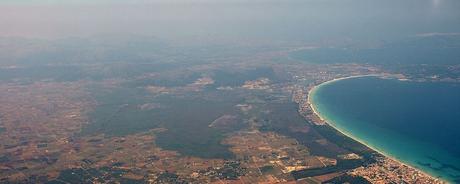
(417, 123)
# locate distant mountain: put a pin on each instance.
(420, 49)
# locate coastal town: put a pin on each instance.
(229, 92)
(226, 121)
(385, 169)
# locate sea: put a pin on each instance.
(417, 123)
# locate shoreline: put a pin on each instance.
(314, 88)
(313, 108)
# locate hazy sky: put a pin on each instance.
(249, 19)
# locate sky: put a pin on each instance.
(288, 20)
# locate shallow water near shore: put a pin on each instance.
(414, 122)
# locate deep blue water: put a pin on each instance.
(416, 122)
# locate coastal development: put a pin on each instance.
(385, 169)
(229, 91)
(237, 117)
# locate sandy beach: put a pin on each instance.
(310, 101)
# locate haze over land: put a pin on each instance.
(294, 20)
(202, 91)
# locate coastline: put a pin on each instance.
(310, 102)
(314, 88)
